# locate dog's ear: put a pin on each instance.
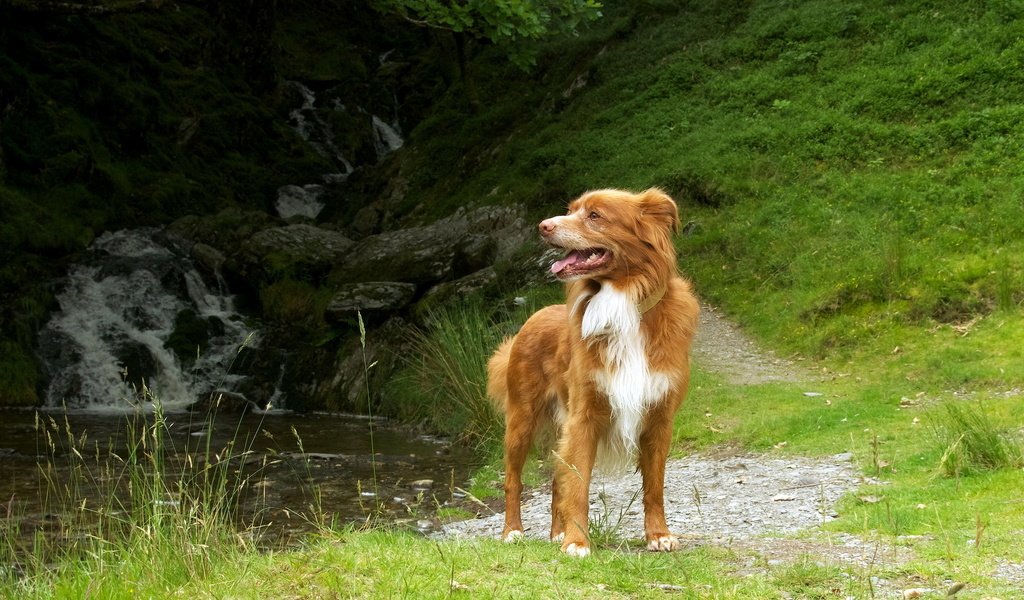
(658, 206)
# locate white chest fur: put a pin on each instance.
(626, 378)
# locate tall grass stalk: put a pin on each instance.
(369, 403)
(450, 364)
(971, 442)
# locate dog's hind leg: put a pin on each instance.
(524, 413)
(520, 424)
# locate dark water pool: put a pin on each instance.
(293, 466)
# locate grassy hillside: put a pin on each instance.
(850, 171)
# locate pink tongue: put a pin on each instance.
(565, 262)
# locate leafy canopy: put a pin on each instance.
(501, 22)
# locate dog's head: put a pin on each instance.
(611, 234)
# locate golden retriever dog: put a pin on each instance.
(609, 368)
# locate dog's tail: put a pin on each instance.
(497, 375)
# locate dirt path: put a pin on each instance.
(721, 347)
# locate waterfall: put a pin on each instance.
(386, 138)
(120, 311)
(304, 200)
(311, 126)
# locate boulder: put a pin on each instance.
(370, 298)
(304, 251)
(207, 257)
(449, 248)
(365, 222)
(451, 291)
(225, 231)
(381, 357)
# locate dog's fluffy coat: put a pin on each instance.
(609, 368)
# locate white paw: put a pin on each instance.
(577, 550)
(513, 536)
(558, 538)
(665, 543)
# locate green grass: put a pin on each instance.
(849, 169)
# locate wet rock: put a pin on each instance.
(223, 402)
(138, 364)
(371, 299)
(191, 335)
(207, 257)
(448, 291)
(303, 250)
(450, 247)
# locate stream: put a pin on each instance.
(285, 463)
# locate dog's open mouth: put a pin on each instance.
(578, 262)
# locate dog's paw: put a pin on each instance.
(577, 550)
(663, 543)
(558, 537)
(513, 536)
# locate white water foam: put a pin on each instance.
(124, 301)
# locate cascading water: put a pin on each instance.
(386, 138)
(121, 317)
(304, 200)
(308, 122)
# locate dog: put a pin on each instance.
(608, 369)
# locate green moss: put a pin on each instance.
(19, 376)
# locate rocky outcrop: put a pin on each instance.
(225, 231)
(452, 291)
(371, 299)
(446, 249)
(353, 378)
(320, 275)
(301, 251)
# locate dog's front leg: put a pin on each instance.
(575, 463)
(654, 444)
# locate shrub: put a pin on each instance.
(972, 443)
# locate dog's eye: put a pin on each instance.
(593, 215)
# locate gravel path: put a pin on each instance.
(709, 498)
(721, 347)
